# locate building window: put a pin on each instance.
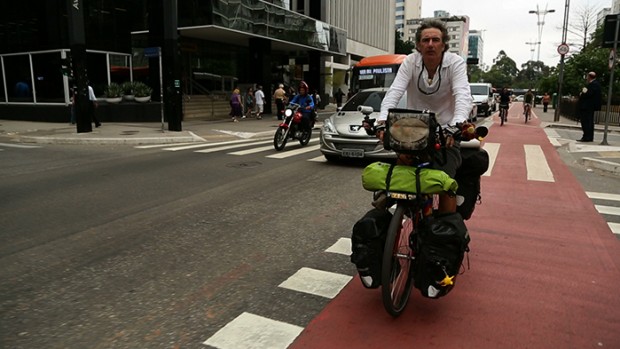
(400, 17)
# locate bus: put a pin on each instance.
(375, 71)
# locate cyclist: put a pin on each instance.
(306, 105)
(528, 101)
(436, 80)
(504, 103)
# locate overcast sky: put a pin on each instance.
(508, 26)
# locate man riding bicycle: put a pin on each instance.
(504, 103)
(528, 101)
(434, 80)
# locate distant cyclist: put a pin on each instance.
(528, 102)
(504, 103)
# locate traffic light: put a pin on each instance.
(65, 66)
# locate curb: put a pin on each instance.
(602, 165)
(103, 140)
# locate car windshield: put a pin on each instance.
(368, 98)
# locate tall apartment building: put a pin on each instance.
(406, 9)
(476, 46)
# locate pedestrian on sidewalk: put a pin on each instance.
(259, 97)
(236, 110)
(545, 100)
(92, 105)
(278, 96)
(589, 102)
(249, 102)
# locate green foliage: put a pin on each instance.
(402, 47)
(113, 90)
(141, 89)
(128, 87)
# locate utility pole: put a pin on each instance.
(532, 49)
(562, 50)
(77, 43)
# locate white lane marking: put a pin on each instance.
(289, 153)
(318, 159)
(23, 146)
(603, 196)
(610, 210)
(231, 146)
(162, 145)
(492, 149)
(253, 150)
(615, 227)
(317, 282)
(252, 331)
(206, 145)
(536, 164)
(342, 246)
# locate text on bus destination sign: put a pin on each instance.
(383, 70)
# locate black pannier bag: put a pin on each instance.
(441, 243)
(367, 243)
(475, 164)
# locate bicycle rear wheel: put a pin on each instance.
(396, 281)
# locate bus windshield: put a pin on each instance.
(375, 71)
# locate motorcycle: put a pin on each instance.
(291, 128)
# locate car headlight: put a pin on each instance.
(328, 126)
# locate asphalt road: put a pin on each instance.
(118, 247)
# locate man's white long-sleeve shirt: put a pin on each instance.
(451, 103)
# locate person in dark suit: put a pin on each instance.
(589, 102)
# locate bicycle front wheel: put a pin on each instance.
(396, 281)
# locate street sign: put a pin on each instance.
(563, 49)
(150, 52)
(612, 59)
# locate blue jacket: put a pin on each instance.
(304, 101)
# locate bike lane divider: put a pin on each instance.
(543, 271)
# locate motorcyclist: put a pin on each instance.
(306, 105)
(434, 80)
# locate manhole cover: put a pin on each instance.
(248, 164)
(126, 133)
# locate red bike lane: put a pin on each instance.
(544, 270)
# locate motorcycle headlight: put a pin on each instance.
(328, 126)
(288, 112)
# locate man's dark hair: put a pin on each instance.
(437, 24)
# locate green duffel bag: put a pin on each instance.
(403, 179)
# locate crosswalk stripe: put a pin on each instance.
(492, 149)
(149, 146)
(603, 196)
(610, 210)
(23, 146)
(231, 146)
(252, 150)
(317, 282)
(615, 227)
(318, 159)
(342, 246)
(206, 145)
(252, 331)
(289, 153)
(536, 164)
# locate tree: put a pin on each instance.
(402, 47)
(582, 24)
(503, 72)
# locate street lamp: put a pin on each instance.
(532, 44)
(541, 23)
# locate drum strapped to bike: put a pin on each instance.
(410, 131)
